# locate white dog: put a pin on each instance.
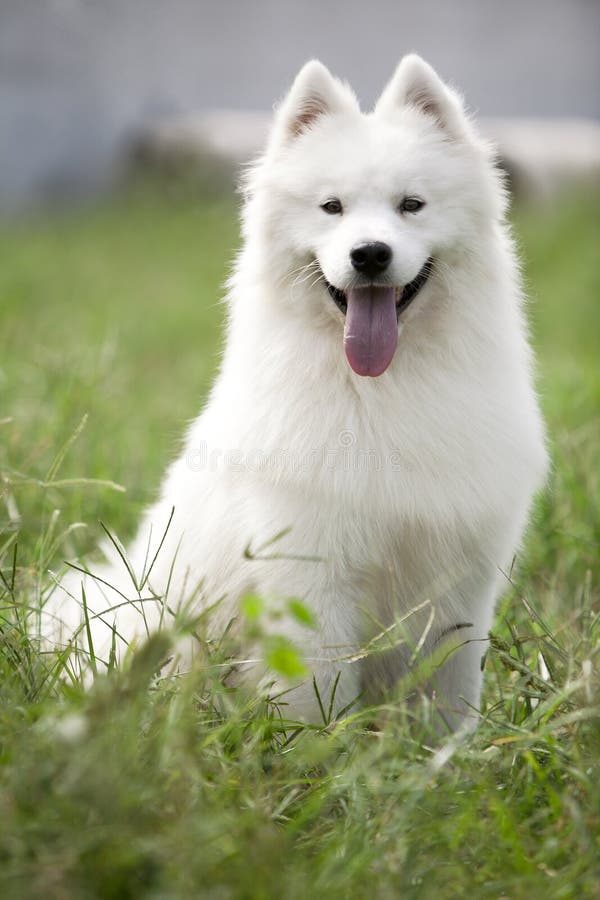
(375, 407)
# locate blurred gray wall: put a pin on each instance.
(77, 77)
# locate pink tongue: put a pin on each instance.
(371, 330)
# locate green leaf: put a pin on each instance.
(283, 658)
(252, 606)
(301, 613)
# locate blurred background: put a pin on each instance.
(81, 81)
(122, 127)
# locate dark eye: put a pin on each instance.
(333, 207)
(411, 204)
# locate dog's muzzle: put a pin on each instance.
(404, 295)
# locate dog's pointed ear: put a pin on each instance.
(314, 93)
(416, 84)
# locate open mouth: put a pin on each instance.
(404, 295)
(371, 314)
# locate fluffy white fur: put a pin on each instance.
(402, 499)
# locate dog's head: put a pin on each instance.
(362, 213)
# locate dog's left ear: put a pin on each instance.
(416, 84)
(314, 93)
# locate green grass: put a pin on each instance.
(163, 788)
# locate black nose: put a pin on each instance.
(372, 258)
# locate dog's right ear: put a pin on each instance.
(416, 84)
(314, 93)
